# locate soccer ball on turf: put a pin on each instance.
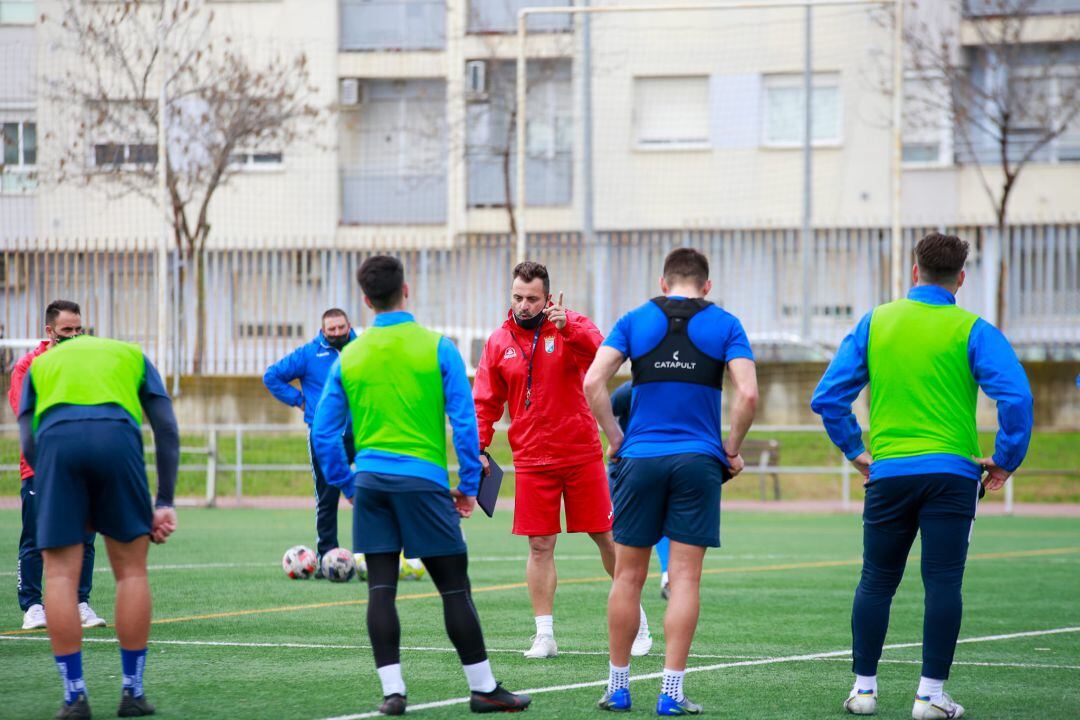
(411, 569)
(338, 565)
(361, 566)
(299, 562)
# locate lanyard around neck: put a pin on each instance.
(528, 380)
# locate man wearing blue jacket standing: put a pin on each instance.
(310, 364)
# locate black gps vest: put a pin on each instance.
(676, 358)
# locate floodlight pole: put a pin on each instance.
(808, 184)
(519, 137)
(897, 148)
(163, 247)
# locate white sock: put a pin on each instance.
(671, 685)
(618, 678)
(479, 677)
(928, 687)
(663, 579)
(643, 622)
(865, 682)
(392, 682)
(545, 625)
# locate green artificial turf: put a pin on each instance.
(781, 586)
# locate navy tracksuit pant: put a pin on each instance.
(327, 497)
(30, 566)
(942, 508)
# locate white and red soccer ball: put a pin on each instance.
(299, 562)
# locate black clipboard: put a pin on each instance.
(488, 493)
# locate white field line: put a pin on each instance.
(711, 668)
(478, 559)
(972, 663)
(327, 646)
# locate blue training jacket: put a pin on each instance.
(310, 364)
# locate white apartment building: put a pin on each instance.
(695, 123)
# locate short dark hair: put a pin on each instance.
(58, 306)
(529, 271)
(335, 312)
(940, 257)
(382, 278)
(684, 264)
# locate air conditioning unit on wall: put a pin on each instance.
(351, 92)
(476, 82)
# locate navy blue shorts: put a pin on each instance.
(90, 475)
(677, 496)
(422, 522)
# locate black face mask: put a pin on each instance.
(337, 341)
(530, 323)
(65, 338)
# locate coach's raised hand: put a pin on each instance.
(556, 313)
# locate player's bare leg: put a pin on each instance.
(643, 642)
(62, 568)
(133, 609)
(606, 546)
(132, 591)
(624, 601)
(680, 621)
(542, 580)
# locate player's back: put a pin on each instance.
(678, 368)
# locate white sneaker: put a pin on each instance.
(543, 647)
(944, 709)
(861, 702)
(642, 643)
(90, 618)
(34, 619)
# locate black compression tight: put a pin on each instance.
(451, 577)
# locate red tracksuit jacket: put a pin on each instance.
(557, 428)
(18, 374)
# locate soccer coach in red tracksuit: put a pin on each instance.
(536, 362)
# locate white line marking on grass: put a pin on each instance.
(323, 646)
(973, 664)
(717, 666)
(720, 559)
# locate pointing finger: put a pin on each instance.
(560, 299)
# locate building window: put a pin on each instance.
(394, 153)
(927, 132)
(671, 112)
(17, 12)
(491, 144)
(124, 154)
(783, 110)
(123, 136)
(501, 16)
(257, 160)
(19, 140)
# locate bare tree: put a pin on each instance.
(223, 103)
(1005, 100)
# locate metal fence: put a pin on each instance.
(228, 470)
(263, 299)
